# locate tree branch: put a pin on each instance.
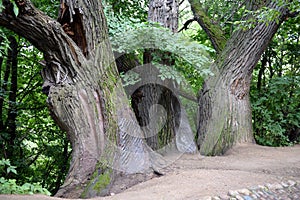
(188, 96)
(31, 24)
(181, 2)
(214, 31)
(233, 12)
(186, 24)
(61, 53)
(292, 14)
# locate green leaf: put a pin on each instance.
(1, 6)
(11, 169)
(16, 9)
(4, 162)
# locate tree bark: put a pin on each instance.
(85, 96)
(156, 103)
(155, 96)
(213, 31)
(165, 13)
(12, 110)
(225, 114)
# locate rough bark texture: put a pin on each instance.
(154, 96)
(213, 31)
(225, 113)
(164, 12)
(156, 103)
(85, 96)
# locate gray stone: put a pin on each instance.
(239, 197)
(207, 198)
(247, 198)
(254, 192)
(291, 182)
(275, 186)
(233, 193)
(223, 197)
(254, 188)
(244, 191)
(284, 184)
(261, 187)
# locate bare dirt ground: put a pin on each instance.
(196, 176)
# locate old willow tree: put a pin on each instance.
(84, 95)
(224, 114)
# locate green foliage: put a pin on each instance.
(131, 10)
(122, 16)
(236, 15)
(167, 73)
(130, 78)
(41, 152)
(251, 18)
(103, 181)
(37, 146)
(275, 90)
(5, 163)
(189, 75)
(277, 111)
(131, 34)
(15, 7)
(10, 186)
(50, 7)
(190, 54)
(153, 36)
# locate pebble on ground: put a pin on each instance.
(288, 190)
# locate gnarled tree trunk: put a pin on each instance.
(85, 95)
(156, 103)
(225, 114)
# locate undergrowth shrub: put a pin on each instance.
(10, 186)
(276, 112)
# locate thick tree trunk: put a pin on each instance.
(156, 103)
(85, 95)
(225, 113)
(157, 123)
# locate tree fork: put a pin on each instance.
(84, 92)
(225, 114)
(214, 31)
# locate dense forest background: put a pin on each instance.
(40, 152)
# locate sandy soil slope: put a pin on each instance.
(196, 176)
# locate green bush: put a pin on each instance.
(276, 112)
(10, 186)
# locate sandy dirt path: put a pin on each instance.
(196, 176)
